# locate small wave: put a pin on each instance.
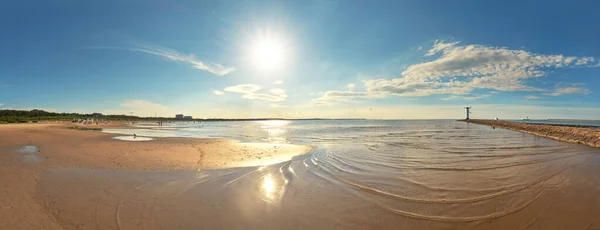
(503, 191)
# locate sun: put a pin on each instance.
(268, 53)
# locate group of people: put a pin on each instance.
(89, 121)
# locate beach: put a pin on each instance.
(27, 150)
(356, 175)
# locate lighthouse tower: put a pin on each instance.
(468, 112)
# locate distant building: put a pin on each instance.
(187, 118)
(179, 116)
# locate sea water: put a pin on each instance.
(420, 174)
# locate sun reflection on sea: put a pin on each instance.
(276, 130)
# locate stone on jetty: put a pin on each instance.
(568, 133)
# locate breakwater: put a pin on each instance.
(574, 134)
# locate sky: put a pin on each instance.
(413, 59)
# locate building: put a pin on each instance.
(179, 116)
(187, 118)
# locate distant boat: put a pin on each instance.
(526, 119)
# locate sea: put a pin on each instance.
(563, 122)
(421, 174)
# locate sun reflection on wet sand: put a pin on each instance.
(273, 188)
(268, 186)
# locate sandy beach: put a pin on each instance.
(55, 177)
(57, 146)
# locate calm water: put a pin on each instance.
(557, 122)
(434, 170)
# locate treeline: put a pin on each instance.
(24, 116)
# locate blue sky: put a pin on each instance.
(298, 59)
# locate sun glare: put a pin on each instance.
(268, 53)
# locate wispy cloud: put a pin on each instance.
(330, 97)
(278, 82)
(243, 88)
(439, 46)
(1, 104)
(177, 56)
(351, 86)
(217, 92)
(532, 97)
(250, 91)
(265, 97)
(466, 98)
(568, 90)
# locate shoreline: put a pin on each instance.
(577, 134)
(81, 145)
(29, 153)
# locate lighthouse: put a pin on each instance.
(468, 112)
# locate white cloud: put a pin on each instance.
(1, 104)
(174, 55)
(278, 82)
(586, 61)
(568, 90)
(489, 67)
(459, 70)
(250, 91)
(399, 87)
(351, 86)
(243, 88)
(438, 46)
(466, 98)
(532, 97)
(341, 96)
(217, 92)
(265, 97)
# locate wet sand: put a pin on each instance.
(568, 133)
(87, 180)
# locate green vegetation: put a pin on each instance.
(36, 115)
(23, 116)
